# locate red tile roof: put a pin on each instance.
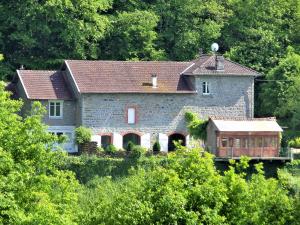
(129, 76)
(41, 84)
(205, 65)
(124, 77)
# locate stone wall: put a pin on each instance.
(231, 97)
(69, 114)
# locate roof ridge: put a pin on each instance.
(123, 61)
(243, 119)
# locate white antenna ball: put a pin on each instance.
(215, 47)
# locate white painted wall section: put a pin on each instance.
(145, 141)
(118, 140)
(163, 141)
(96, 138)
(187, 141)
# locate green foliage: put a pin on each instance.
(258, 33)
(88, 167)
(32, 188)
(40, 34)
(132, 37)
(156, 147)
(186, 188)
(294, 143)
(130, 146)
(83, 135)
(111, 149)
(138, 151)
(196, 126)
(280, 96)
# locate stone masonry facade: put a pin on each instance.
(230, 97)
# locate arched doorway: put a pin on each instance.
(134, 138)
(175, 137)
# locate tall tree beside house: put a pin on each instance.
(258, 32)
(39, 34)
(280, 94)
(32, 188)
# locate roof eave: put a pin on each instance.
(21, 80)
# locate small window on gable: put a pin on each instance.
(55, 109)
(205, 88)
(131, 116)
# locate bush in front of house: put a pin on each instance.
(83, 135)
(130, 146)
(156, 147)
(138, 151)
(294, 143)
(110, 149)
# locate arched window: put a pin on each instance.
(175, 137)
(134, 138)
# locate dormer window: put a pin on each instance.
(205, 88)
(55, 109)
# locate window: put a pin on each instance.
(244, 142)
(252, 142)
(224, 142)
(237, 143)
(205, 88)
(55, 109)
(131, 116)
(259, 142)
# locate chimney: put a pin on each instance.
(22, 67)
(219, 62)
(154, 80)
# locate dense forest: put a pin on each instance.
(41, 186)
(264, 35)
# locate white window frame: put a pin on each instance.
(206, 90)
(61, 109)
(129, 119)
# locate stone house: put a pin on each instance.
(139, 101)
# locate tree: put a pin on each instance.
(280, 94)
(40, 34)
(258, 32)
(32, 188)
(186, 188)
(132, 37)
(186, 25)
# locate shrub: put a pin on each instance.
(294, 143)
(156, 147)
(110, 149)
(83, 135)
(138, 151)
(99, 150)
(196, 126)
(130, 146)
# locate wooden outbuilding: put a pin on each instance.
(256, 138)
